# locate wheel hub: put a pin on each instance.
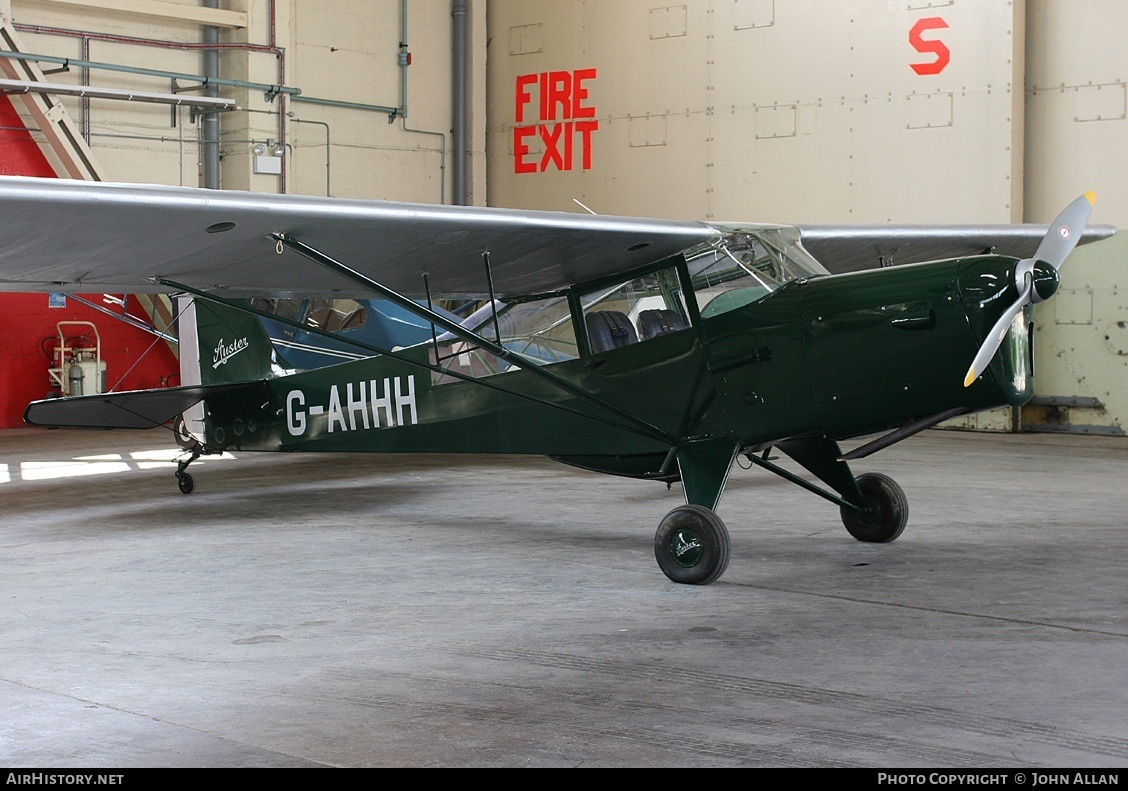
(872, 513)
(685, 547)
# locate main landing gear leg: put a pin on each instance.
(692, 544)
(873, 506)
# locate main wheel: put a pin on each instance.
(180, 431)
(887, 510)
(692, 545)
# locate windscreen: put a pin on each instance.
(745, 265)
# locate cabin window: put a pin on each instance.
(633, 312)
(330, 315)
(335, 315)
(540, 330)
(283, 308)
(745, 266)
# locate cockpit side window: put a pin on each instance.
(540, 330)
(635, 311)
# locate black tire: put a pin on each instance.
(692, 545)
(185, 482)
(887, 510)
(180, 431)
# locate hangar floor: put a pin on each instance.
(438, 611)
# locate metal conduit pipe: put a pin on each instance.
(272, 90)
(328, 150)
(442, 155)
(278, 89)
(459, 27)
(271, 48)
(209, 125)
(160, 43)
(86, 36)
(392, 112)
(403, 58)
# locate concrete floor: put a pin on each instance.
(439, 611)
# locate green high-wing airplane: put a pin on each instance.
(646, 348)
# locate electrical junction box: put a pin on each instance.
(268, 165)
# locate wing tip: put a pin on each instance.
(1091, 197)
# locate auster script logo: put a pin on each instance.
(224, 353)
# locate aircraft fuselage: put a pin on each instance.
(834, 356)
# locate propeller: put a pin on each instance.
(1057, 244)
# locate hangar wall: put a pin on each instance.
(798, 111)
(867, 111)
(337, 135)
(355, 130)
(1077, 134)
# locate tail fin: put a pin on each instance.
(219, 345)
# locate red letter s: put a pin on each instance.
(938, 48)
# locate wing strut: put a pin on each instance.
(457, 330)
(172, 284)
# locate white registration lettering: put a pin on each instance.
(356, 405)
(382, 403)
(391, 405)
(295, 415)
(336, 414)
(406, 401)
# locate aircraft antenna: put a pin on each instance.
(582, 206)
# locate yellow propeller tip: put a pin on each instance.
(971, 377)
(1091, 197)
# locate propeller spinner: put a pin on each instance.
(1036, 278)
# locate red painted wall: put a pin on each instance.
(26, 320)
(19, 154)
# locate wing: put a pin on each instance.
(848, 248)
(61, 235)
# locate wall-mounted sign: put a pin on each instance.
(560, 118)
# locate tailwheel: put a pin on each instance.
(185, 482)
(692, 545)
(886, 510)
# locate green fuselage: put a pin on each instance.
(830, 356)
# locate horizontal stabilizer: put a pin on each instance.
(132, 409)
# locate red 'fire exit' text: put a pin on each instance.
(562, 124)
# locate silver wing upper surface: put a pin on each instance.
(76, 236)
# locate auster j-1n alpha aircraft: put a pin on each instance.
(645, 348)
